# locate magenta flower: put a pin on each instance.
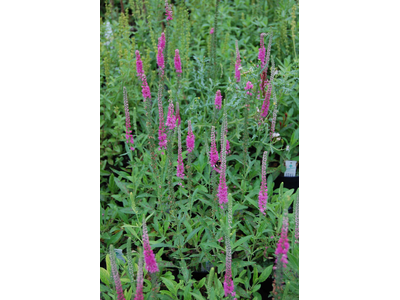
(161, 41)
(149, 258)
(160, 60)
(222, 188)
(177, 115)
(283, 243)
(228, 282)
(265, 106)
(139, 65)
(128, 135)
(213, 151)
(228, 147)
(177, 61)
(190, 138)
(263, 194)
(218, 100)
(145, 88)
(261, 51)
(168, 10)
(162, 136)
(273, 122)
(249, 86)
(237, 64)
(180, 168)
(171, 119)
(212, 30)
(114, 270)
(139, 286)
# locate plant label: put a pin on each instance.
(290, 168)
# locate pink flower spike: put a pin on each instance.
(249, 86)
(139, 287)
(218, 100)
(115, 275)
(177, 115)
(283, 243)
(180, 168)
(228, 147)
(168, 10)
(177, 61)
(161, 41)
(212, 30)
(190, 138)
(171, 119)
(261, 51)
(162, 137)
(228, 282)
(139, 65)
(149, 258)
(145, 89)
(128, 135)
(263, 194)
(213, 151)
(160, 60)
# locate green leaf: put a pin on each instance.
(192, 234)
(170, 285)
(104, 276)
(241, 241)
(265, 274)
(197, 296)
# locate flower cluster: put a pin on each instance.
(218, 100)
(190, 138)
(212, 30)
(177, 61)
(149, 258)
(228, 282)
(139, 64)
(283, 243)
(168, 10)
(139, 287)
(162, 136)
(248, 87)
(171, 118)
(115, 275)
(213, 151)
(128, 135)
(160, 54)
(180, 168)
(222, 188)
(145, 89)
(263, 194)
(261, 51)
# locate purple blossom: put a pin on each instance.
(190, 138)
(222, 188)
(213, 151)
(139, 65)
(218, 100)
(273, 122)
(263, 194)
(177, 61)
(139, 287)
(283, 243)
(162, 136)
(145, 89)
(161, 41)
(265, 106)
(261, 51)
(249, 86)
(168, 10)
(228, 147)
(114, 270)
(228, 282)
(160, 60)
(212, 30)
(128, 135)
(180, 168)
(149, 258)
(171, 118)
(177, 115)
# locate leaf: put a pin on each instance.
(265, 274)
(121, 185)
(241, 241)
(170, 285)
(200, 297)
(104, 276)
(192, 234)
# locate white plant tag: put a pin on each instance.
(290, 168)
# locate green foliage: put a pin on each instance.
(185, 234)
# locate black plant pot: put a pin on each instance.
(289, 183)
